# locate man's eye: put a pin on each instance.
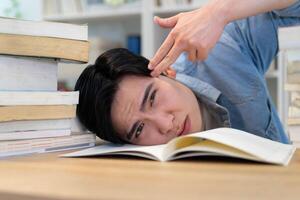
(152, 98)
(139, 130)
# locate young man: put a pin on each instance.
(121, 102)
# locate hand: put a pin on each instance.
(195, 32)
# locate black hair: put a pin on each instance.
(97, 86)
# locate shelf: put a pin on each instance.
(115, 13)
(272, 74)
(174, 9)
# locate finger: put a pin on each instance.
(167, 61)
(166, 22)
(192, 55)
(201, 54)
(161, 52)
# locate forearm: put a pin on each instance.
(230, 10)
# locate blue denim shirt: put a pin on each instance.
(231, 80)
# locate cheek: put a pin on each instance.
(171, 103)
(151, 136)
(170, 97)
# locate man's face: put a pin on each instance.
(150, 111)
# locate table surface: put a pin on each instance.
(47, 176)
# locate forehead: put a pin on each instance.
(130, 88)
(133, 83)
(127, 99)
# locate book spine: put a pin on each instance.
(21, 135)
(44, 29)
(42, 145)
(38, 98)
(134, 44)
(21, 73)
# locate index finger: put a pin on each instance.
(161, 52)
(170, 58)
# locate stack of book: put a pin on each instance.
(34, 116)
(293, 87)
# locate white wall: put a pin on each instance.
(30, 9)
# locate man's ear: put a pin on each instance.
(170, 72)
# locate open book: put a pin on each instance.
(215, 142)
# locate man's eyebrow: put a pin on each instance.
(146, 94)
(129, 135)
(142, 108)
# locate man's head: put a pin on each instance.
(122, 103)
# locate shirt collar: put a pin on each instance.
(200, 87)
(208, 95)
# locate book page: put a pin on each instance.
(150, 152)
(263, 149)
(214, 148)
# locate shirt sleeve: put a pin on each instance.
(292, 11)
(257, 35)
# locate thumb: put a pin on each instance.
(170, 72)
(166, 22)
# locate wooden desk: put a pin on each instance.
(48, 177)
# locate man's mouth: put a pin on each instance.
(186, 126)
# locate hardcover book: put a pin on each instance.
(43, 28)
(38, 98)
(30, 125)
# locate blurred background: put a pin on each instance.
(111, 24)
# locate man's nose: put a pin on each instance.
(162, 121)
